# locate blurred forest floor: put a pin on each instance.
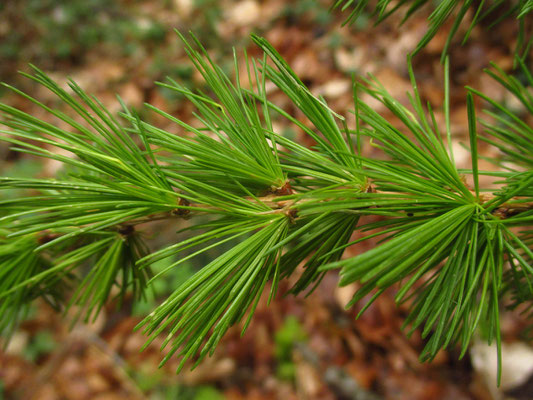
(297, 348)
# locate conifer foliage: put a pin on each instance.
(489, 12)
(455, 252)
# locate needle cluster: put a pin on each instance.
(451, 251)
(489, 12)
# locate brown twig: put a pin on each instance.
(288, 207)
